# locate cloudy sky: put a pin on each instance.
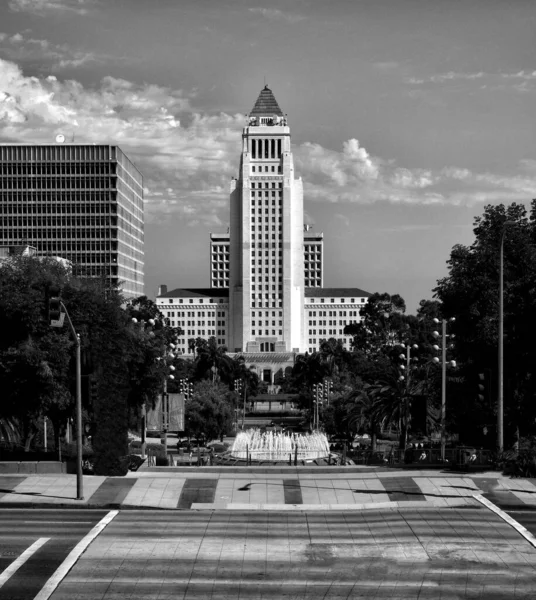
(407, 116)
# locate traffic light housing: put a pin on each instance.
(54, 303)
(484, 386)
(92, 390)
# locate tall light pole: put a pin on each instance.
(407, 368)
(500, 383)
(443, 380)
(57, 314)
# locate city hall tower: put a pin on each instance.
(266, 238)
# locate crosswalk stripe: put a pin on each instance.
(48, 589)
(18, 562)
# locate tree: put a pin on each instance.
(209, 412)
(212, 361)
(470, 293)
(37, 367)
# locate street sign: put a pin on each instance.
(58, 322)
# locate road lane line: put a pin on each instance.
(18, 562)
(506, 517)
(48, 589)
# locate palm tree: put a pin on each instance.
(212, 361)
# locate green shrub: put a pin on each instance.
(156, 450)
(69, 451)
(521, 463)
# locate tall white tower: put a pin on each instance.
(266, 271)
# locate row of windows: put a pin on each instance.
(266, 185)
(54, 183)
(334, 313)
(266, 332)
(57, 169)
(267, 324)
(326, 332)
(193, 313)
(260, 196)
(265, 148)
(266, 314)
(266, 303)
(341, 300)
(191, 301)
(267, 169)
(331, 322)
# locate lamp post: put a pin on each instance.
(443, 378)
(407, 368)
(238, 386)
(500, 383)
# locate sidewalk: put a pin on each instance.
(278, 488)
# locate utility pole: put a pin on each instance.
(57, 313)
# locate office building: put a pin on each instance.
(80, 202)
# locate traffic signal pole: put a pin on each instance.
(79, 475)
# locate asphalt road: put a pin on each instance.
(527, 518)
(426, 553)
(52, 533)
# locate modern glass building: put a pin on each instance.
(80, 202)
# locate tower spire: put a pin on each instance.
(266, 105)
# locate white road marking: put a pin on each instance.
(18, 562)
(48, 589)
(506, 517)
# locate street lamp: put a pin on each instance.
(443, 378)
(500, 386)
(407, 367)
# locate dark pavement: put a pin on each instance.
(426, 553)
(19, 529)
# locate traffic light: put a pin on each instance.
(484, 385)
(92, 390)
(54, 304)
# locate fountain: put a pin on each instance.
(277, 446)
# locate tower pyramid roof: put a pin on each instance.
(266, 105)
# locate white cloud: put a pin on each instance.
(193, 154)
(354, 175)
(57, 56)
(277, 15)
(442, 77)
(522, 81)
(43, 7)
(189, 157)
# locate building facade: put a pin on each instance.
(266, 298)
(79, 202)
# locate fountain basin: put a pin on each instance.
(270, 446)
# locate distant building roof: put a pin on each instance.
(266, 105)
(335, 293)
(265, 357)
(197, 293)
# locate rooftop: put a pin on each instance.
(335, 293)
(266, 105)
(196, 293)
